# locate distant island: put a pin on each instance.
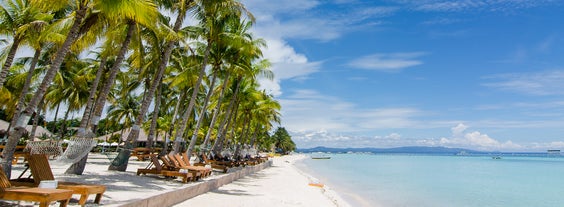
(412, 150)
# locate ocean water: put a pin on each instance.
(436, 181)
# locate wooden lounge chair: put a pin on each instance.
(218, 165)
(158, 169)
(42, 195)
(41, 170)
(171, 164)
(184, 163)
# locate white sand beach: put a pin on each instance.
(277, 186)
(282, 184)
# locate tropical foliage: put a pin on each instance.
(198, 84)
(283, 141)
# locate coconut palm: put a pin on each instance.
(143, 13)
(124, 111)
(263, 116)
(79, 12)
(214, 20)
(121, 11)
(12, 88)
(120, 162)
(19, 19)
(68, 87)
(242, 64)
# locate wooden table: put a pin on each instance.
(42, 195)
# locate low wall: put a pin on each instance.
(179, 195)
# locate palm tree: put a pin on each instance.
(19, 19)
(215, 113)
(242, 64)
(213, 17)
(69, 88)
(108, 84)
(144, 12)
(266, 112)
(120, 162)
(283, 141)
(124, 111)
(12, 88)
(79, 13)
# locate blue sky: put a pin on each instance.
(480, 74)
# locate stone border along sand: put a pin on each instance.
(177, 196)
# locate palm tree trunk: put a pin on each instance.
(153, 127)
(64, 127)
(254, 137)
(241, 139)
(216, 110)
(26, 86)
(172, 122)
(9, 60)
(38, 96)
(121, 161)
(188, 112)
(221, 133)
(78, 168)
(36, 119)
(55, 125)
(83, 128)
(109, 83)
(201, 117)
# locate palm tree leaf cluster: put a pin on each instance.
(126, 64)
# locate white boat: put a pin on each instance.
(320, 157)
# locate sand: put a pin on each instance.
(282, 184)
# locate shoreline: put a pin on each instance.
(128, 189)
(281, 185)
(329, 192)
(344, 192)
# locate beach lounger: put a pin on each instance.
(157, 168)
(42, 195)
(41, 170)
(171, 164)
(218, 165)
(185, 163)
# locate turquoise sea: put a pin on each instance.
(441, 180)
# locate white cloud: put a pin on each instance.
(307, 110)
(475, 140)
(460, 139)
(309, 139)
(387, 62)
(483, 140)
(287, 64)
(393, 136)
(458, 129)
(278, 21)
(536, 83)
(473, 5)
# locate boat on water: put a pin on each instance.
(322, 157)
